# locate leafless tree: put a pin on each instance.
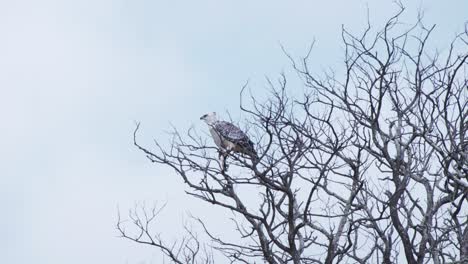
(369, 165)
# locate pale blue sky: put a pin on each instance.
(74, 75)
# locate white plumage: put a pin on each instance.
(229, 137)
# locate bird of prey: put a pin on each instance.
(229, 137)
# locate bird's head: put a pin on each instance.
(209, 118)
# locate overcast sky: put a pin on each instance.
(75, 75)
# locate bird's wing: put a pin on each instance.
(233, 134)
(230, 132)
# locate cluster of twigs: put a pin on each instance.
(371, 162)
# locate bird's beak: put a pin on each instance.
(201, 118)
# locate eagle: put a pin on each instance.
(229, 137)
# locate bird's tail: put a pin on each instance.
(252, 153)
(255, 158)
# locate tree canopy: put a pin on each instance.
(368, 165)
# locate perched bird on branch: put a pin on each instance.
(229, 137)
